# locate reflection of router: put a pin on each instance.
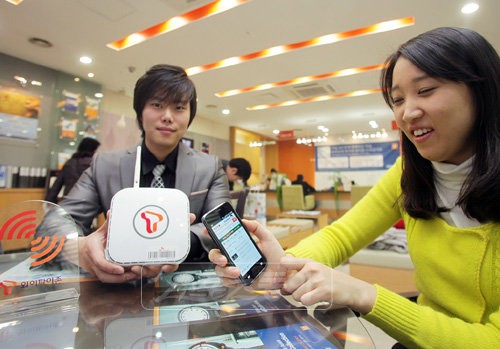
(148, 226)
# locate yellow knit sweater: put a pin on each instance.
(457, 271)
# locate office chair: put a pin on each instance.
(294, 199)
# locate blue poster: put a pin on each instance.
(300, 335)
(357, 157)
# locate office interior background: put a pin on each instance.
(279, 82)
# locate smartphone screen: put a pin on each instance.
(228, 232)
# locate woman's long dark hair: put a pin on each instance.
(459, 55)
(86, 148)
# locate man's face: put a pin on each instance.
(164, 125)
(231, 174)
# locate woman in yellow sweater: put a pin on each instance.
(444, 89)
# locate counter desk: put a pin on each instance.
(186, 309)
(325, 202)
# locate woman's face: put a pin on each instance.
(436, 115)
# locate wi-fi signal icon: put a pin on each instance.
(47, 244)
(19, 226)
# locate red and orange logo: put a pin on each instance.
(6, 286)
(151, 221)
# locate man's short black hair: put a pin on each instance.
(167, 83)
(243, 168)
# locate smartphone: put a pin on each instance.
(234, 241)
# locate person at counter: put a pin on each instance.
(73, 168)
(165, 104)
(444, 89)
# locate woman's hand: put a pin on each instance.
(271, 278)
(311, 282)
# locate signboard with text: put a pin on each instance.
(285, 134)
(357, 157)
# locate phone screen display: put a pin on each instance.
(234, 241)
(238, 244)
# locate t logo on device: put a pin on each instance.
(151, 221)
(148, 226)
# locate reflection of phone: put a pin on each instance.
(234, 241)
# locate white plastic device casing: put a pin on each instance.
(148, 226)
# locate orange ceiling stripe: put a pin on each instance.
(314, 99)
(322, 40)
(303, 79)
(175, 23)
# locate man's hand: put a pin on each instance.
(92, 259)
(273, 275)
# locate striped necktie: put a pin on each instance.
(157, 180)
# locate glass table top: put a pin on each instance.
(186, 309)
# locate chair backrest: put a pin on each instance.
(238, 200)
(357, 192)
(293, 197)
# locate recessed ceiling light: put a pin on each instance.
(470, 8)
(226, 111)
(85, 60)
(76, 79)
(90, 75)
(98, 95)
(276, 132)
(40, 42)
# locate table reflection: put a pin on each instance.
(186, 309)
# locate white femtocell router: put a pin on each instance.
(148, 226)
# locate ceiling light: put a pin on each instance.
(15, 2)
(76, 79)
(36, 83)
(373, 124)
(226, 111)
(21, 79)
(98, 95)
(40, 42)
(276, 132)
(90, 75)
(470, 8)
(326, 39)
(173, 23)
(85, 60)
(314, 99)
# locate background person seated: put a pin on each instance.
(306, 187)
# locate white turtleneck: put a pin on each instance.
(449, 179)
